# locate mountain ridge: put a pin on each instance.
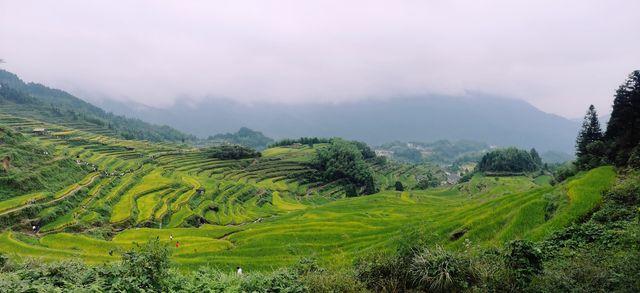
(494, 120)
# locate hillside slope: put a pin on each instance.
(40, 102)
(262, 213)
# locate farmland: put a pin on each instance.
(263, 213)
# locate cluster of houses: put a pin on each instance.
(47, 132)
(384, 153)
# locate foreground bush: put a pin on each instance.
(441, 271)
(147, 269)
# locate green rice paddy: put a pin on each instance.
(262, 213)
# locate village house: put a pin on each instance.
(40, 131)
(384, 153)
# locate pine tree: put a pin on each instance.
(536, 157)
(589, 145)
(623, 130)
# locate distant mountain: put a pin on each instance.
(245, 137)
(57, 106)
(496, 121)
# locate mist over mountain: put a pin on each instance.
(494, 120)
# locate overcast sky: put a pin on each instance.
(558, 55)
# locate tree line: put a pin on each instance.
(310, 141)
(510, 160)
(620, 143)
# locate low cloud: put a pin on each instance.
(558, 55)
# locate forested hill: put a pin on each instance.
(57, 106)
(495, 121)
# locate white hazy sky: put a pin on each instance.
(558, 55)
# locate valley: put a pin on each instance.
(262, 213)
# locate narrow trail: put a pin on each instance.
(70, 192)
(225, 236)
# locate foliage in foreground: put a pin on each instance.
(147, 269)
(599, 254)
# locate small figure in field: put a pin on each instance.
(34, 228)
(171, 237)
(110, 252)
(177, 244)
(239, 270)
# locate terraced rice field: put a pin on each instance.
(263, 213)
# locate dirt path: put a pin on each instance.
(70, 192)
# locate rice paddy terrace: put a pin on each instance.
(261, 213)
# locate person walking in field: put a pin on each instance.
(171, 237)
(239, 270)
(177, 244)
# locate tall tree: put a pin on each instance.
(589, 148)
(623, 130)
(536, 157)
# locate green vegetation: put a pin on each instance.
(623, 129)
(245, 137)
(290, 217)
(309, 141)
(343, 160)
(590, 146)
(231, 152)
(55, 106)
(620, 145)
(598, 254)
(27, 167)
(510, 161)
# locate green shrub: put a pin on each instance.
(438, 270)
(634, 158)
(381, 272)
(147, 267)
(3, 260)
(339, 281)
(591, 269)
(283, 280)
(627, 192)
(565, 171)
(399, 186)
(342, 160)
(524, 260)
(232, 152)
